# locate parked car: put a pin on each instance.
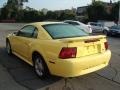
(114, 30)
(86, 28)
(98, 27)
(107, 25)
(59, 49)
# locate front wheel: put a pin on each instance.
(8, 48)
(105, 32)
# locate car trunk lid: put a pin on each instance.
(87, 45)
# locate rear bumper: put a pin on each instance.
(80, 66)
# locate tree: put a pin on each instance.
(67, 15)
(51, 15)
(96, 11)
(11, 9)
(115, 12)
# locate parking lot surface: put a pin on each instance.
(17, 75)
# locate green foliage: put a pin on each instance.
(96, 11)
(11, 10)
(67, 16)
(51, 15)
(31, 15)
(115, 10)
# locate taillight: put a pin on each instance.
(106, 45)
(68, 52)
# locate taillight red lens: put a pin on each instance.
(106, 45)
(68, 52)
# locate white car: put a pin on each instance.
(98, 27)
(86, 28)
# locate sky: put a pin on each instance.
(55, 4)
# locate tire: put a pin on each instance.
(8, 48)
(40, 67)
(105, 32)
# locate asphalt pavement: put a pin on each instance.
(17, 75)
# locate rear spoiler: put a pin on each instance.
(83, 38)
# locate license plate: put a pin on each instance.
(91, 49)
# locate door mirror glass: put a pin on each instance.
(15, 33)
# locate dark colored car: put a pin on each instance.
(114, 30)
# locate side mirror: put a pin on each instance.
(15, 33)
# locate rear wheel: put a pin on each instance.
(8, 48)
(40, 67)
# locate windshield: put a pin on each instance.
(58, 31)
(116, 27)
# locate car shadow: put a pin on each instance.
(23, 73)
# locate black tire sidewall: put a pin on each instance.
(8, 43)
(105, 32)
(45, 70)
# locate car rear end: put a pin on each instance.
(80, 55)
(83, 56)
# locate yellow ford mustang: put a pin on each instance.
(59, 49)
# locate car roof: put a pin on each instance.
(70, 21)
(43, 23)
(73, 21)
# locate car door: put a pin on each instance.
(24, 38)
(93, 26)
(99, 28)
(96, 27)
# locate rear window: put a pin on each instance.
(58, 31)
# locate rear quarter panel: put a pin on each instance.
(49, 49)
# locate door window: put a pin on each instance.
(28, 31)
(35, 33)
